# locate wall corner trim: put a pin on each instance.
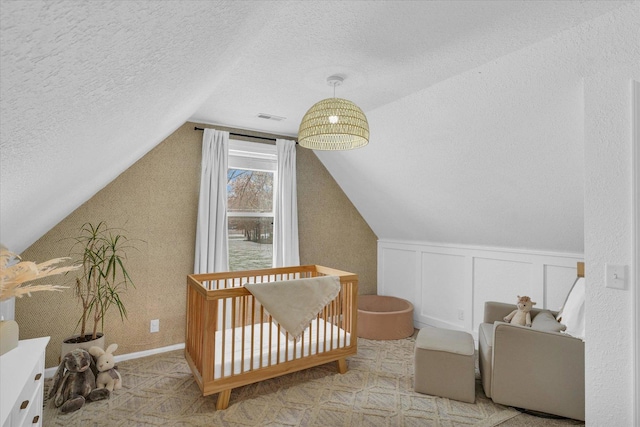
(475, 248)
(635, 239)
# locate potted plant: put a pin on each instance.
(103, 253)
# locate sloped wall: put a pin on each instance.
(156, 202)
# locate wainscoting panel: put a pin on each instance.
(501, 280)
(442, 294)
(449, 284)
(399, 272)
(558, 281)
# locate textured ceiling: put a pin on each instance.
(87, 88)
(386, 50)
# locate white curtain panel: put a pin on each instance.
(212, 248)
(285, 225)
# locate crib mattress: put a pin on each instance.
(262, 342)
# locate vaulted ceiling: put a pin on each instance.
(87, 88)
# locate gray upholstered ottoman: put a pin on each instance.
(444, 364)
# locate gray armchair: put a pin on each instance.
(528, 368)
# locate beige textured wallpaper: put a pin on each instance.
(331, 230)
(156, 200)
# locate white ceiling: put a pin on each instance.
(87, 88)
(386, 50)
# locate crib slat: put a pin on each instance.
(223, 333)
(294, 344)
(278, 346)
(253, 316)
(341, 319)
(286, 345)
(309, 350)
(233, 335)
(269, 352)
(261, 335)
(331, 321)
(325, 310)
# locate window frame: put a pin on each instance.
(260, 157)
(244, 155)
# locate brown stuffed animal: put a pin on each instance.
(74, 382)
(522, 315)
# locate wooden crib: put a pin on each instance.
(232, 341)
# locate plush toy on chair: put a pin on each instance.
(522, 315)
(108, 377)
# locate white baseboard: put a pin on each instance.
(50, 372)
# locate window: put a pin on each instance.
(251, 181)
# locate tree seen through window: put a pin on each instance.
(250, 218)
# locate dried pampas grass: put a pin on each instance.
(13, 277)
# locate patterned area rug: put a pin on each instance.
(376, 391)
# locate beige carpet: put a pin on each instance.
(377, 390)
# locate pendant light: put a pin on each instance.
(334, 123)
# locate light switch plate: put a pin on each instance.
(616, 276)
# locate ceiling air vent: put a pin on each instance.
(271, 117)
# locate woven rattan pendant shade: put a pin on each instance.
(334, 124)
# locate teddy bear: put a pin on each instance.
(522, 315)
(74, 382)
(108, 376)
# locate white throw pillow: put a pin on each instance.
(573, 311)
(544, 321)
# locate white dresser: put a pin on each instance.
(22, 384)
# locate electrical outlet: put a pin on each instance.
(460, 314)
(155, 325)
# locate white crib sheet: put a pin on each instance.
(335, 338)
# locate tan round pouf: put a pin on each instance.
(384, 317)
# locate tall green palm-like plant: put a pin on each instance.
(104, 254)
